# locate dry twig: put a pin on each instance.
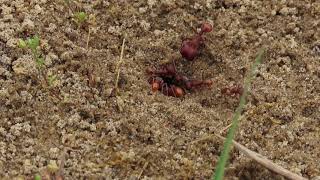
(265, 162)
(143, 168)
(118, 66)
(225, 128)
(88, 39)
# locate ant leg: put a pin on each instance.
(173, 90)
(152, 79)
(165, 85)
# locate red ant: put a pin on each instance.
(190, 47)
(166, 88)
(166, 79)
(170, 83)
(233, 90)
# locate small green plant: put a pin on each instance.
(51, 80)
(33, 44)
(51, 172)
(219, 173)
(22, 44)
(37, 177)
(80, 17)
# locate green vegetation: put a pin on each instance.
(33, 44)
(80, 17)
(51, 79)
(37, 177)
(219, 173)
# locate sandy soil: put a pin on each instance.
(151, 135)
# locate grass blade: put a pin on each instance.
(219, 173)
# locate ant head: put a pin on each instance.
(206, 27)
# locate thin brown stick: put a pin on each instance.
(265, 162)
(143, 168)
(204, 138)
(88, 39)
(62, 163)
(118, 67)
(225, 128)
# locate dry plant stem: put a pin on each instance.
(225, 128)
(62, 162)
(265, 162)
(204, 138)
(143, 168)
(88, 39)
(118, 67)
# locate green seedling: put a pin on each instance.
(40, 62)
(51, 79)
(22, 44)
(80, 17)
(219, 172)
(33, 44)
(37, 177)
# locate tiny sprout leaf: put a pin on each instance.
(40, 62)
(37, 177)
(51, 79)
(33, 42)
(22, 44)
(81, 17)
